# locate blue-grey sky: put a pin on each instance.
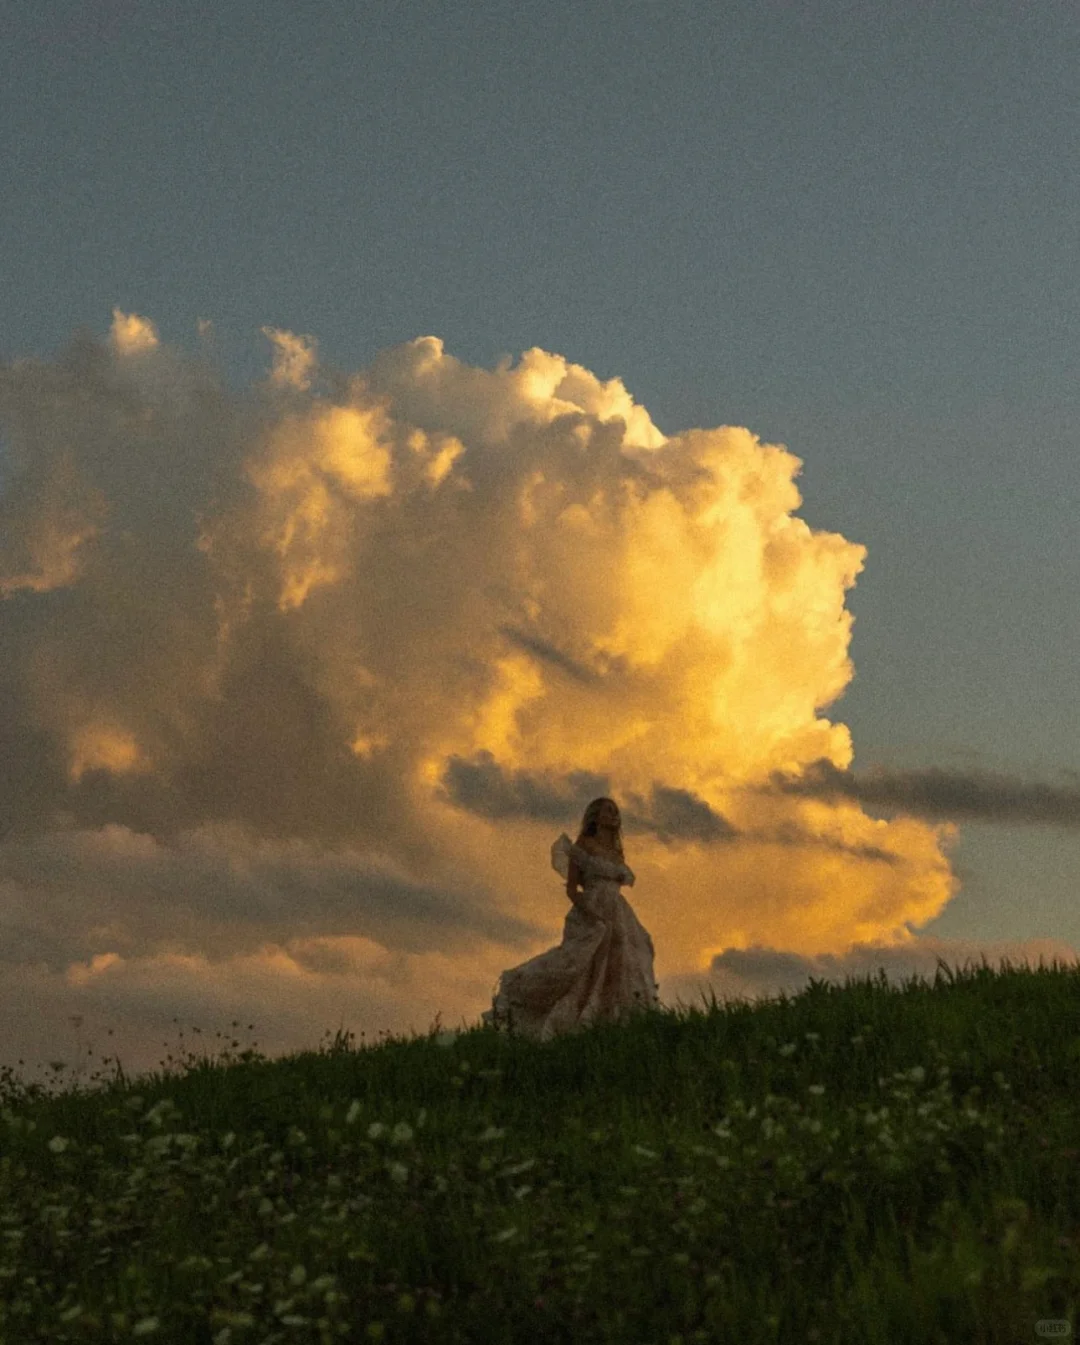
(852, 228)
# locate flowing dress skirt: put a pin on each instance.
(602, 971)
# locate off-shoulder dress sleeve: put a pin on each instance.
(560, 856)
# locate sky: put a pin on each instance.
(417, 420)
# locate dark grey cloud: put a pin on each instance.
(218, 890)
(787, 833)
(532, 644)
(761, 972)
(941, 795)
(483, 787)
(674, 816)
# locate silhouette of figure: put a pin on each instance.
(603, 969)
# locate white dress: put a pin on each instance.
(602, 970)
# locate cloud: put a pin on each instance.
(131, 335)
(674, 816)
(974, 795)
(294, 359)
(325, 665)
(760, 972)
(221, 893)
(532, 644)
(47, 519)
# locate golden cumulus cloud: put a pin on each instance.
(131, 334)
(294, 359)
(422, 614)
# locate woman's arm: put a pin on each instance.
(573, 881)
(575, 891)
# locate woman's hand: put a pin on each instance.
(577, 899)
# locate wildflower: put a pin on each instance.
(518, 1168)
(817, 1089)
(788, 1048)
(58, 1144)
(161, 1110)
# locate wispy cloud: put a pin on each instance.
(543, 649)
(933, 792)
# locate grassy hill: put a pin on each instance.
(862, 1164)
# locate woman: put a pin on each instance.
(603, 969)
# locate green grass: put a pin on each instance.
(865, 1164)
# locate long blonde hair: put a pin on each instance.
(589, 820)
